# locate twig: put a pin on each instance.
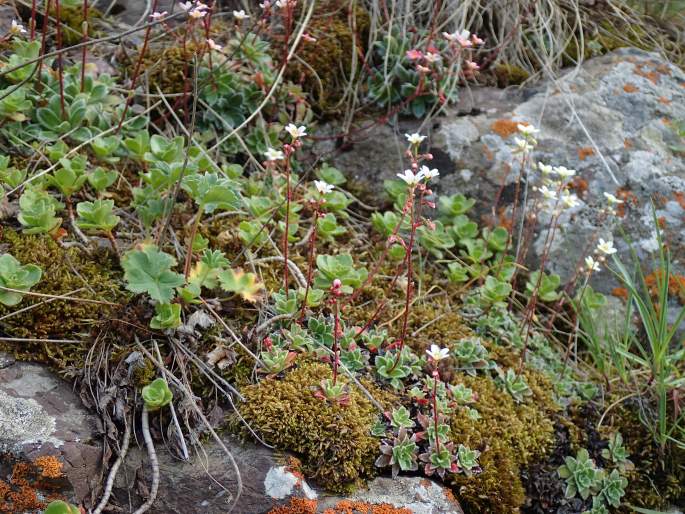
(114, 470)
(154, 463)
(302, 282)
(58, 297)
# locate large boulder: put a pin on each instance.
(614, 120)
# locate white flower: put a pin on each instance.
(201, 6)
(295, 131)
(591, 264)
(158, 15)
(213, 45)
(17, 28)
(463, 39)
(197, 13)
(432, 57)
(186, 6)
(274, 155)
(450, 37)
(265, 5)
(522, 146)
(564, 172)
(409, 177)
(527, 130)
(437, 354)
(612, 199)
(240, 15)
(323, 187)
(547, 193)
(284, 3)
(428, 173)
(568, 200)
(415, 138)
(545, 169)
(606, 247)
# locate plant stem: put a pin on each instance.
(436, 377)
(136, 71)
(33, 20)
(287, 223)
(46, 18)
(113, 242)
(189, 249)
(336, 335)
(113, 471)
(154, 464)
(60, 59)
(310, 260)
(84, 40)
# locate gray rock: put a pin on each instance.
(40, 415)
(611, 120)
(419, 495)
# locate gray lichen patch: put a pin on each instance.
(23, 421)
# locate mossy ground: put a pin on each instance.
(66, 271)
(335, 442)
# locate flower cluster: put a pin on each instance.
(196, 9)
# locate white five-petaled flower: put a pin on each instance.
(606, 247)
(564, 172)
(213, 45)
(428, 173)
(545, 169)
(186, 6)
(240, 15)
(432, 57)
(568, 200)
(437, 354)
(274, 155)
(522, 146)
(527, 130)
(197, 13)
(410, 178)
(158, 15)
(323, 187)
(17, 28)
(547, 193)
(295, 131)
(612, 199)
(415, 138)
(591, 264)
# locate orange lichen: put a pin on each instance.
(585, 152)
(620, 292)
(630, 88)
(676, 284)
(680, 198)
(664, 100)
(652, 76)
(505, 128)
(627, 144)
(662, 222)
(357, 507)
(296, 506)
(628, 198)
(50, 466)
(579, 185)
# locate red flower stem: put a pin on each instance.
(84, 53)
(136, 72)
(60, 59)
(435, 407)
(310, 260)
(336, 335)
(33, 20)
(287, 222)
(46, 18)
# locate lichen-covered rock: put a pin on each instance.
(41, 417)
(614, 120)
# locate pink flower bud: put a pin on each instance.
(337, 284)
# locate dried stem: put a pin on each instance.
(154, 464)
(114, 470)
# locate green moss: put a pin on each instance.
(329, 60)
(64, 271)
(510, 75)
(334, 442)
(72, 21)
(510, 436)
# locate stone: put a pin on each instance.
(613, 120)
(41, 416)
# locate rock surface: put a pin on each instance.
(613, 120)
(39, 416)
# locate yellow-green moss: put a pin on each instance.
(510, 435)
(334, 442)
(510, 75)
(328, 62)
(64, 271)
(72, 23)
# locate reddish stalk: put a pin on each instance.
(136, 72)
(336, 291)
(60, 59)
(310, 259)
(436, 377)
(288, 151)
(84, 39)
(33, 20)
(46, 17)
